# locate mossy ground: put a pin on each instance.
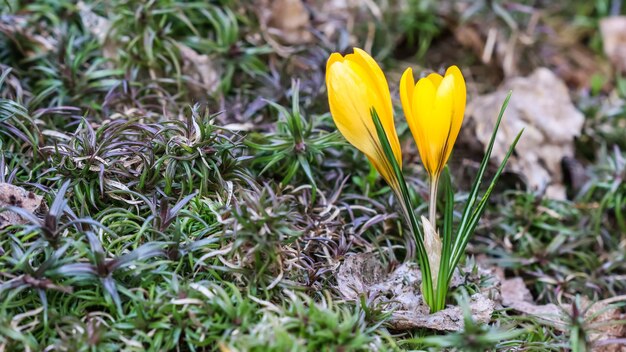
(194, 213)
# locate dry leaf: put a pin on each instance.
(399, 292)
(11, 195)
(606, 324)
(283, 23)
(289, 21)
(337, 19)
(200, 70)
(516, 295)
(613, 31)
(603, 321)
(470, 36)
(98, 26)
(540, 105)
(17, 29)
(449, 319)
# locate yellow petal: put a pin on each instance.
(374, 72)
(334, 57)
(434, 110)
(442, 116)
(422, 122)
(435, 78)
(379, 87)
(458, 111)
(407, 84)
(356, 85)
(347, 97)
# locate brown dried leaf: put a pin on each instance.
(449, 319)
(613, 30)
(540, 105)
(606, 322)
(11, 195)
(516, 295)
(470, 36)
(284, 23)
(289, 21)
(200, 70)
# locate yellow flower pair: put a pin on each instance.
(433, 107)
(360, 103)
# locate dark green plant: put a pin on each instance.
(76, 74)
(420, 25)
(296, 147)
(194, 154)
(103, 268)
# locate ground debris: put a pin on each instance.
(11, 195)
(540, 105)
(399, 292)
(284, 23)
(449, 319)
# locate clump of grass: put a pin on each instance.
(263, 225)
(303, 324)
(149, 36)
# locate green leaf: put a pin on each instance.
(405, 200)
(444, 266)
(471, 214)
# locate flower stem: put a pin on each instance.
(432, 205)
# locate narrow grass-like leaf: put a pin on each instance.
(469, 205)
(464, 236)
(148, 250)
(405, 199)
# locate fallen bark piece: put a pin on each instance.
(540, 105)
(359, 273)
(398, 291)
(284, 22)
(11, 195)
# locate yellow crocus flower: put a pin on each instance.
(356, 84)
(434, 109)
